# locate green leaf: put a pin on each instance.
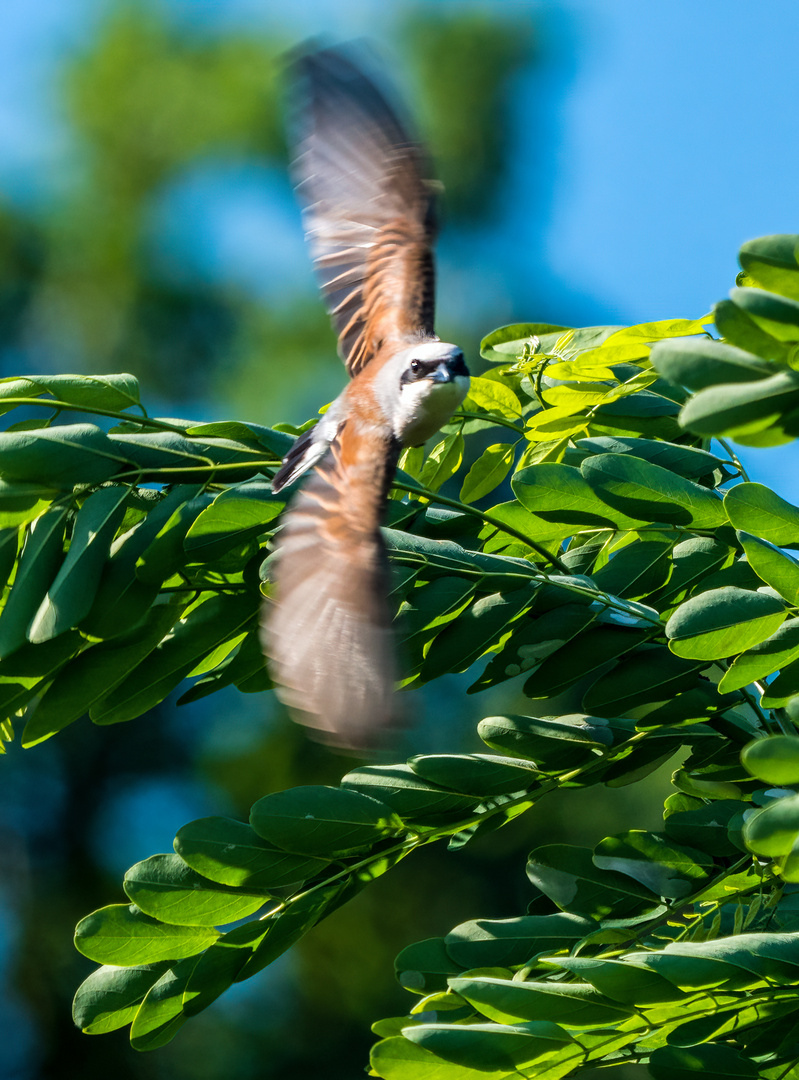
(318, 820)
(37, 566)
(164, 555)
(574, 397)
(589, 652)
(122, 599)
(686, 461)
(693, 561)
(483, 775)
(507, 343)
(771, 261)
(443, 461)
(770, 311)
(561, 493)
(197, 633)
(552, 742)
(647, 675)
(278, 443)
(112, 392)
(232, 853)
(396, 1058)
(152, 451)
(23, 674)
(123, 935)
(656, 331)
(160, 1016)
(110, 997)
(488, 472)
(777, 694)
(493, 396)
(164, 887)
(778, 570)
(288, 925)
(532, 640)
(435, 557)
(70, 596)
(560, 423)
(236, 514)
(221, 964)
(715, 1060)
(571, 879)
(424, 966)
(666, 868)
(493, 1047)
(512, 942)
(9, 542)
(755, 509)
(773, 830)
(247, 949)
(95, 673)
(644, 490)
(740, 329)
(506, 1001)
(776, 652)
(627, 982)
(721, 622)
(774, 759)
(414, 800)
(433, 604)
(744, 411)
(479, 628)
(703, 826)
(244, 669)
(67, 455)
(698, 363)
(639, 761)
(23, 502)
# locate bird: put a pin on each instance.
(368, 205)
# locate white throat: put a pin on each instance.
(425, 406)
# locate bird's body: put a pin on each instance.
(369, 220)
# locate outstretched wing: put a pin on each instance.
(368, 208)
(327, 628)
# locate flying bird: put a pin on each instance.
(369, 214)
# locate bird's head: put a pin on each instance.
(421, 387)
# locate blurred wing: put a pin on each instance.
(327, 632)
(368, 208)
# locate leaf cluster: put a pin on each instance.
(609, 563)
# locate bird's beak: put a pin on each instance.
(442, 374)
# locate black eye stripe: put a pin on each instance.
(420, 369)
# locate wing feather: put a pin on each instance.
(327, 629)
(369, 208)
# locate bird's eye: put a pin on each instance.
(416, 366)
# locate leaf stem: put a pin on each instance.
(755, 706)
(171, 470)
(65, 406)
(734, 458)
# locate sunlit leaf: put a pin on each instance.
(721, 622)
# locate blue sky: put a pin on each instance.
(650, 143)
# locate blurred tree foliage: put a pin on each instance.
(463, 68)
(147, 103)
